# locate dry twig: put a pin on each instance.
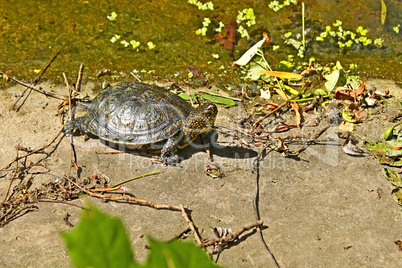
(35, 151)
(191, 225)
(232, 236)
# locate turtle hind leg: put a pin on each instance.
(167, 154)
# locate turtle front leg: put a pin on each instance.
(167, 154)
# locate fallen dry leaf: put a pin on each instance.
(197, 73)
(229, 39)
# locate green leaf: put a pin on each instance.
(218, 99)
(353, 81)
(348, 116)
(178, 254)
(336, 78)
(392, 176)
(285, 66)
(383, 151)
(185, 96)
(99, 241)
(291, 90)
(320, 91)
(388, 134)
(254, 72)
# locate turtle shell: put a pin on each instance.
(135, 114)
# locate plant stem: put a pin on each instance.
(304, 39)
(140, 176)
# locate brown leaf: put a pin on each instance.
(197, 73)
(296, 108)
(229, 38)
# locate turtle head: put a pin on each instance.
(201, 119)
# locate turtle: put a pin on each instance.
(143, 116)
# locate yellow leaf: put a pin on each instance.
(283, 75)
(383, 12)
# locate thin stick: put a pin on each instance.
(44, 69)
(189, 95)
(79, 78)
(70, 115)
(12, 179)
(138, 177)
(232, 236)
(309, 142)
(126, 198)
(34, 83)
(182, 233)
(136, 77)
(270, 113)
(35, 151)
(191, 225)
(40, 90)
(303, 35)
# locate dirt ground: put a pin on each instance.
(327, 209)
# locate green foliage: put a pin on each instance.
(101, 241)
(334, 79)
(218, 99)
(177, 254)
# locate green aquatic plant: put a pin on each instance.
(204, 29)
(347, 38)
(245, 16)
(396, 28)
(276, 6)
(151, 45)
(202, 6)
(112, 16)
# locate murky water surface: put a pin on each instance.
(31, 32)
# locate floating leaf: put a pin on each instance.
(99, 241)
(285, 66)
(218, 99)
(229, 39)
(250, 53)
(383, 11)
(283, 75)
(197, 73)
(393, 177)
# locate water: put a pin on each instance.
(31, 32)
